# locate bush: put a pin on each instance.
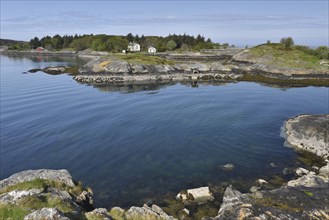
(288, 42)
(171, 45)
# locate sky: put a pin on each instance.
(236, 22)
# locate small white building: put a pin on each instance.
(152, 50)
(134, 47)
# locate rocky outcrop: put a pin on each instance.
(304, 198)
(309, 133)
(53, 195)
(57, 175)
(55, 70)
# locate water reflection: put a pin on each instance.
(154, 86)
(36, 58)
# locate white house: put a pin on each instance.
(134, 47)
(152, 50)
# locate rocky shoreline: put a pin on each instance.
(112, 70)
(53, 194)
(222, 66)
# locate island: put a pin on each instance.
(267, 63)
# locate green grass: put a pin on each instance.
(43, 184)
(138, 58)
(29, 203)
(32, 202)
(277, 55)
(308, 193)
(11, 212)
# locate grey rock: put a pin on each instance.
(324, 170)
(254, 189)
(231, 202)
(309, 180)
(261, 182)
(186, 211)
(309, 133)
(86, 200)
(99, 213)
(29, 175)
(13, 196)
(302, 171)
(198, 195)
(117, 66)
(46, 214)
(147, 213)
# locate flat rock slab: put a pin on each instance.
(29, 175)
(309, 133)
(198, 195)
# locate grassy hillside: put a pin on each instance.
(277, 55)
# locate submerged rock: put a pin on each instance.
(228, 167)
(309, 133)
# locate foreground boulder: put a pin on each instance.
(309, 133)
(198, 195)
(29, 175)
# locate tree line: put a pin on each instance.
(115, 43)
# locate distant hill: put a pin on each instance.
(8, 42)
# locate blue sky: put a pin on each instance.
(236, 22)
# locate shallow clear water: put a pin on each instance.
(147, 141)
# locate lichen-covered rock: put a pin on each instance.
(29, 175)
(147, 213)
(117, 213)
(46, 214)
(13, 196)
(309, 133)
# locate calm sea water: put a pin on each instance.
(135, 143)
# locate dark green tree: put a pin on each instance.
(288, 42)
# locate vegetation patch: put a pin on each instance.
(12, 212)
(272, 203)
(105, 63)
(308, 193)
(293, 57)
(43, 184)
(138, 58)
